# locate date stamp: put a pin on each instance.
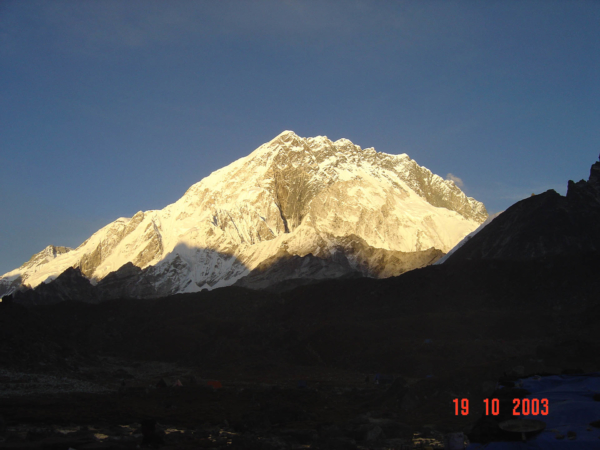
(521, 406)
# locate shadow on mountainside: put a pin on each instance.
(190, 269)
(183, 269)
(354, 323)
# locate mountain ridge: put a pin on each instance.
(541, 226)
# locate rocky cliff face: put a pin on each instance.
(291, 196)
(542, 226)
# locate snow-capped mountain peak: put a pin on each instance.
(298, 195)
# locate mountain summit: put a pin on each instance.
(300, 200)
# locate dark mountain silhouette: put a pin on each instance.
(71, 285)
(541, 226)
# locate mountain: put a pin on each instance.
(541, 226)
(365, 212)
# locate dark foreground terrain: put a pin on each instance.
(297, 368)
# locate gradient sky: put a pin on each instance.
(111, 107)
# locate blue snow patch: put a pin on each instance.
(571, 408)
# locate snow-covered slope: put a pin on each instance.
(467, 238)
(292, 194)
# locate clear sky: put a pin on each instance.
(111, 107)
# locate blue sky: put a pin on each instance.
(111, 107)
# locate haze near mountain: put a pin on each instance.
(294, 208)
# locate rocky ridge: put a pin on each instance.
(541, 226)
